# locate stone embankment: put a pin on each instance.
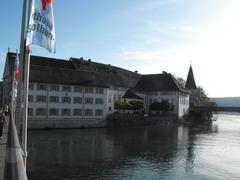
(123, 119)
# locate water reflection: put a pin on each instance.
(167, 152)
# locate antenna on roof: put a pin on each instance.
(8, 49)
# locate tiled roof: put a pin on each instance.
(158, 82)
(85, 72)
(131, 95)
(78, 72)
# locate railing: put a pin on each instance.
(14, 167)
(215, 108)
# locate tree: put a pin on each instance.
(165, 106)
(121, 105)
(162, 106)
(180, 81)
(136, 105)
(199, 98)
(156, 106)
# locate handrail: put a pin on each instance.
(14, 167)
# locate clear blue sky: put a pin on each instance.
(145, 35)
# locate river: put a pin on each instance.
(169, 152)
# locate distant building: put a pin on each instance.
(78, 92)
(158, 87)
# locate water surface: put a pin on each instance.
(164, 152)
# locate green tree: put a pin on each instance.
(199, 97)
(121, 105)
(162, 106)
(165, 106)
(156, 106)
(136, 105)
(181, 82)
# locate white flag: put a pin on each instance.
(41, 25)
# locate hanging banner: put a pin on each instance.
(15, 78)
(41, 29)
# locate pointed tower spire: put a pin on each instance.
(190, 83)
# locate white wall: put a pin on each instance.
(48, 105)
(183, 107)
(178, 99)
(113, 94)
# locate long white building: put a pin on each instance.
(81, 93)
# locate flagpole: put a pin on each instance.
(25, 93)
(21, 60)
(25, 103)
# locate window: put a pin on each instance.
(88, 90)
(66, 112)
(40, 111)
(77, 89)
(66, 100)
(54, 87)
(54, 99)
(77, 112)
(77, 100)
(41, 98)
(53, 112)
(30, 111)
(88, 100)
(110, 108)
(98, 101)
(109, 99)
(31, 86)
(41, 87)
(66, 88)
(99, 90)
(88, 112)
(98, 112)
(30, 98)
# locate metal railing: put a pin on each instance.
(14, 167)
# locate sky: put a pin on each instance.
(150, 36)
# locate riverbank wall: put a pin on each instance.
(119, 120)
(113, 120)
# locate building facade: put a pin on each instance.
(81, 93)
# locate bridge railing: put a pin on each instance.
(215, 108)
(14, 166)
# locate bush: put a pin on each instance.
(121, 105)
(156, 106)
(136, 105)
(162, 106)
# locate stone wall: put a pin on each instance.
(65, 123)
(119, 119)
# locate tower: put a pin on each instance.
(190, 82)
